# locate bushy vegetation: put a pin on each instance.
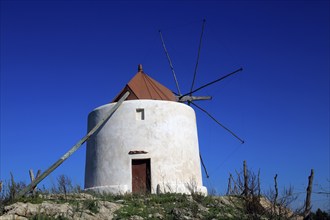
(243, 201)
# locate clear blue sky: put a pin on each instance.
(61, 59)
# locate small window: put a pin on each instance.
(139, 114)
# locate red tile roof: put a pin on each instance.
(143, 86)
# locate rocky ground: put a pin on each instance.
(78, 206)
(166, 206)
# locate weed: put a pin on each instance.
(91, 205)
(34, 199)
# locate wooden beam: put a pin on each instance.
(74, 148)
(188, 98)
(308, 206)
(31, 175)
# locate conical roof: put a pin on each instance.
(142, 86)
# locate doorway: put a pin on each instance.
(141, 177)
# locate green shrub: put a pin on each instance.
(91, 205)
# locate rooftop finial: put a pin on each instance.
(140, 68)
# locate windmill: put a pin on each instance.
(144, 135)
(189, 98)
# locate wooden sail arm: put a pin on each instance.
(189, 98)
(34, 183)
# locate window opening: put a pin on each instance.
(140, 114)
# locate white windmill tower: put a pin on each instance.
(149, 144)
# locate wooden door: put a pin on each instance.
(141, 181)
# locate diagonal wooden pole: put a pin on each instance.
(73, 149)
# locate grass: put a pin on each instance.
(147, 206)
(91, 205)
(167, 205)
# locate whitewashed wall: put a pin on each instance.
(167, 132)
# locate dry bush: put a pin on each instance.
(63, 185)
(279, 205)
(271, 204)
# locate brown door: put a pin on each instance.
(141, 176)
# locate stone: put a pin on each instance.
(120, 201)
(158, 215)
(11, 217)
(23, 211)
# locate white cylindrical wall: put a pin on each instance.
(166, 130)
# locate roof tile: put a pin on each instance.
(143, 86)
